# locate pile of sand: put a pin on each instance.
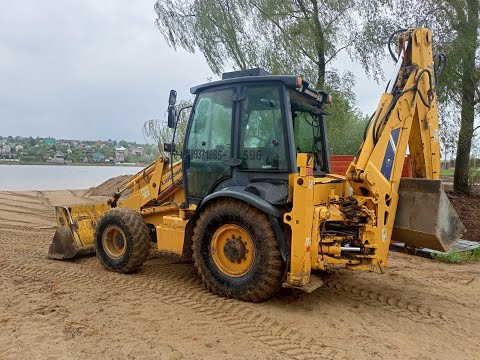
(468, 208)
(109, 187)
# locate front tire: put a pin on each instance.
(122, 240)
(236, 253)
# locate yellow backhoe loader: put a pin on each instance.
(252, 200)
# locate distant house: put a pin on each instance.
(97, 157)
(120, 154)
(49, 141)
(58, 158)
(6, 152)
(6, 149)
(138, 151)
(18, 148)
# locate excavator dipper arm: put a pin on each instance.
(350, 221)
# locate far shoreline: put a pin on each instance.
(72, 164)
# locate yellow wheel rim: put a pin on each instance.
(232, 250)
(114, 242)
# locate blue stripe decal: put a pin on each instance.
(387, 165)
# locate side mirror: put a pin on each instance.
(168, 147)
(172, 112)
(172, 99)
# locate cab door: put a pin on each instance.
(209, 142)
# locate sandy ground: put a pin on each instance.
(419, 309)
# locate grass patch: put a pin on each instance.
(447, 172)
(456, 257)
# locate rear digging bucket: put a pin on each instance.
(425, 217)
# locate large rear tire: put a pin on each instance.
(122, 240)
(236, 253)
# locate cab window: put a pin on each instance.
(262, 130)
(309, 128)
(209, 141)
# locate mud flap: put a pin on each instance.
(75, 230)
(425, 217)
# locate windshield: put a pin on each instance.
(309, 130)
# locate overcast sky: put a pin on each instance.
(95, 69)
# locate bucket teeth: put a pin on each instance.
(63, 245)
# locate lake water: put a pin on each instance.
(54, 177)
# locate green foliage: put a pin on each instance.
(456, 29)
(345, 127)
(447, 172)
(456, 257)
(453, 257)
(285, 37)
(158, 131)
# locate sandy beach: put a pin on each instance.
(49, 309)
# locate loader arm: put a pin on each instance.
(151, 186)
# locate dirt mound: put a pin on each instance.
(468, 208)
(109, 187)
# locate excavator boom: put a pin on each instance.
(407, 115)
(355, 225)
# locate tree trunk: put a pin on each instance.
(320, 47)
(321, 71)
(469, 35)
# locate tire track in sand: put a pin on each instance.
(15, 205)
(22, 211)
(83, 198)
(182, 288)
(25, 244)
(44, 200)
(392, 302)
(176, 288)
(188, 284)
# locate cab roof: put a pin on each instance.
(288, 80)
(258, 75)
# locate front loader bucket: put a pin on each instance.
(75, 230)
(425, 217)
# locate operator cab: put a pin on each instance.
(248, 128)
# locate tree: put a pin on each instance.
(158, 131)
(284, 37)
(455, 25)
(346, 129)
